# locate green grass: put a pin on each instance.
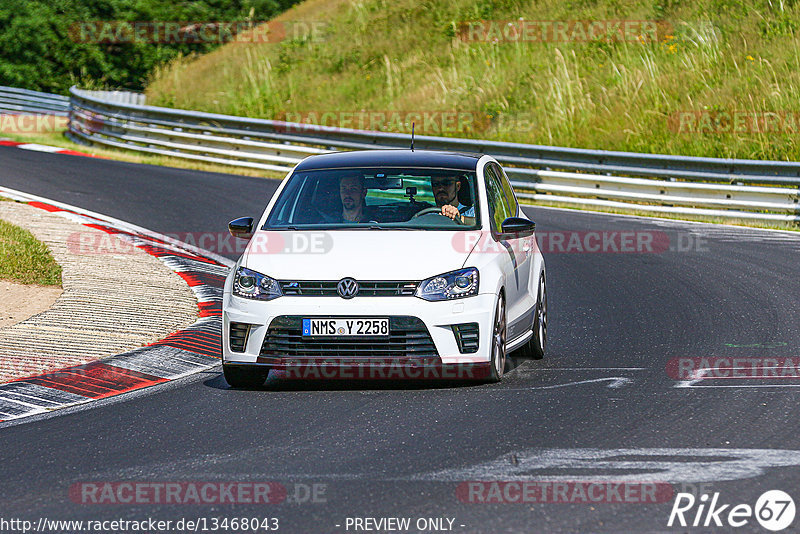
(24, 259)
(719, 55)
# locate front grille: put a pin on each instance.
(408, 338)
(327, 288)
(466, 337)
(238, 336)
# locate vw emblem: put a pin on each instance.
(347, 288)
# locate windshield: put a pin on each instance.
(377, 198)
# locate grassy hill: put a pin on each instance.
(713, 57)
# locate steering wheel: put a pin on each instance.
(426, 211)
(438, 211)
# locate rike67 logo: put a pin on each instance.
(774, 510)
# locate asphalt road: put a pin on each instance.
(601, 406)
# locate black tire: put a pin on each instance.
(499, 332)
(242, 377)
(535, 347)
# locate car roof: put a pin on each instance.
(390, 158)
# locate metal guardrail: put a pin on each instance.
(725, 188)
(22, 101)
(118, 97)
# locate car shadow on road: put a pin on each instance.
(274, 384)
(277, 383)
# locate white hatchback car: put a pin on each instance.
(385, 264)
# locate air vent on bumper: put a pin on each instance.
(238, 336)
(466, 337)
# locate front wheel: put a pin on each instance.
(537, 344)
(241, 377)
(498, 363)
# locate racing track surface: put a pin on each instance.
(401, 450)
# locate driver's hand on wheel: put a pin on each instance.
(450, 211)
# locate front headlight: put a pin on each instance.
(252, 285)
(448, 286)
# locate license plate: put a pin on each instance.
(363, 326)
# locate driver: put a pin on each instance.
(445, 191)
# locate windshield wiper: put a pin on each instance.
(374, 226)
(358, 226)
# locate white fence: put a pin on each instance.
(23, 101)
(728, 188)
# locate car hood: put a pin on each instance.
(361, 254)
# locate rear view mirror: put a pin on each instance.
(241, 227)
(384, 183)
(518, 227)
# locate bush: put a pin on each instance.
(38, 50)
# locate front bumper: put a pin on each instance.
(437, 318)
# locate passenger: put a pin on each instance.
(353, 193)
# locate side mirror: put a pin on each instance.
(518, 227)
(241, 227)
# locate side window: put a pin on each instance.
(284, 210)
(499, 209)
(508, 191)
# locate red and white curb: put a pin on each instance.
(182, 353)
(45, 148)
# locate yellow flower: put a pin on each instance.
(751, 58)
